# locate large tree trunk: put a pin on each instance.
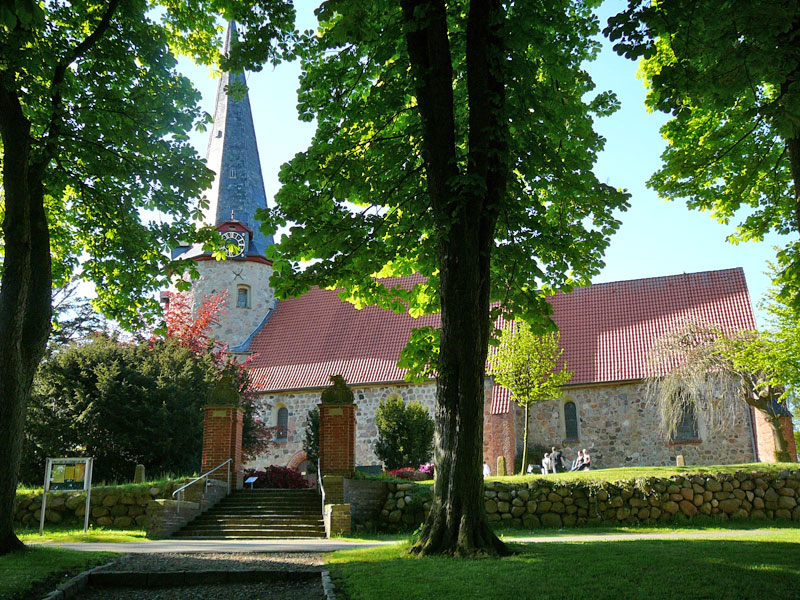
(465, 208)
(764, 406)
(24, 297)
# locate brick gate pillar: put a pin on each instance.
(222, 439)
(337, 430)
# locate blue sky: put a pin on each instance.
(656, 237)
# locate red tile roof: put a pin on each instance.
(309, 338)
(607, 331)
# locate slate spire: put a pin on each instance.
(238, 188)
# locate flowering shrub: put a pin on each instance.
(426, 469)
(277, 477)
(404, 473)
(412, 474)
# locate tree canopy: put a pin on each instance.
(93, 147)
(528, 366)
(729, 74)
(455, 140)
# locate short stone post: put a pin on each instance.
(138, 475)
(222, 433)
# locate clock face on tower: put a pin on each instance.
(236, 238)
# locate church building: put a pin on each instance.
(607, 331)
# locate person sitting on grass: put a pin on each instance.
(545, 464)
(578, 462)
(587, 461)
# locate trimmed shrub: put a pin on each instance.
(405, 433)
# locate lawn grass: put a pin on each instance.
(123, 487)
(627, 473)
(71, 535)
(762, 565)
(36, 571)
(624, 473)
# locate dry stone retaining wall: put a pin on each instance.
(543, 503)
(109, 506)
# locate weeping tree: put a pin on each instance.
(701, 369)
(528, 365)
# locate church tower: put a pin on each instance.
(235, 196)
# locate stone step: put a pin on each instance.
(260, 514)
(216, 520)
(254, 528)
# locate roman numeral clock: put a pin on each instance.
(237, 238)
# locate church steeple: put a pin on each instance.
(238, 188)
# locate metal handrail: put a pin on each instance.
(203, 476)
(321, 487)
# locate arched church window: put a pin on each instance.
(687, 426)
(570, 421)
(282, 429)
(243, 296)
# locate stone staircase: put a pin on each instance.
(260, 514)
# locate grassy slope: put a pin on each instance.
(36, 571)
(765, 565)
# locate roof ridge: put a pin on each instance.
(664, 277)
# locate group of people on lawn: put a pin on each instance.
(553, 462)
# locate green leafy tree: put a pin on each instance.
(453, 141)
(528, 365)
(729, 74)
(405, 433)
(311, 439)
(93, 123)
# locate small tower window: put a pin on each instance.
(243, 297)
(282, 429)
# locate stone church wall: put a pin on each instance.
(367, 399)
(236, 323)
(619, 429)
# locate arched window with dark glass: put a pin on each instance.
(283, 423)
(687, 426)
(570, 421)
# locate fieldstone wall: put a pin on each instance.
(619, 429)
(367, 400)
(109, 506)
(543, 503)
(112, 506)
(235, 323)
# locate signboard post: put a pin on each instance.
(67, 474)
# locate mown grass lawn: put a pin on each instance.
(764, 565)
(71, 535)
(624, 473)
(38, 570)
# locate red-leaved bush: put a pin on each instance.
(408, 473)
(277, 477)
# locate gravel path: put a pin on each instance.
(253, 591)
(290, 561)
(166, 562)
